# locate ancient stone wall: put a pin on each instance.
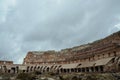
(100, 56)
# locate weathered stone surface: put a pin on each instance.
(100, 56)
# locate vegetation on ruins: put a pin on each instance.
(53, 76)
(26, 76)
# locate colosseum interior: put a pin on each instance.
(99, 56)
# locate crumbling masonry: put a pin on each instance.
(100, 56)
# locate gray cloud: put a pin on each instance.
(55, 24)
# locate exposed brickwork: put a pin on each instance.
(6, 62)
(100, 56)
(103, 48)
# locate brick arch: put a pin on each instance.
(55, 67)
(44, 68)
(34, 68)
(61, 70)
(47, 69)
(31, 68)
(41, 68)
(28, 68)
(38, 67)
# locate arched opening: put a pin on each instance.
(34, 68)
(96, 69)
(72, 70)
(47, 69)
(68, 70)
(79, 69)
(55, 67)
(9, 71)
(87, 69)
(52, 67)
(83, 69)
(23, 71)
(101, 68)
(59, 66)
(75, 69)
(31, 68)
(61, 70)
(79, 64)
(28, 69)
(13, 69)
(92, 69)
(38, 68)
(64, 70)
(41, 68)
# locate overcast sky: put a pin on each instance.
(32, 25)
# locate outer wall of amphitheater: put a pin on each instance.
(100, 56)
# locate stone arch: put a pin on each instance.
(61, 70)
(55, 67)
(52, 67)
(48, 69)
(34, 68)
(83, 69)
(28, 68)
(75, 69)
(44, 68)
(58, 67)
(96, 68)
(72, 70)
(79, 69)
(38, 67)
(92, 69)
(87, 69)
(31, 69)
(101, 68)
(68, 70)
(9, 71)
(64, 70)
(13, 69)
(41, 68)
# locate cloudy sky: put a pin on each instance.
(29, 25)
